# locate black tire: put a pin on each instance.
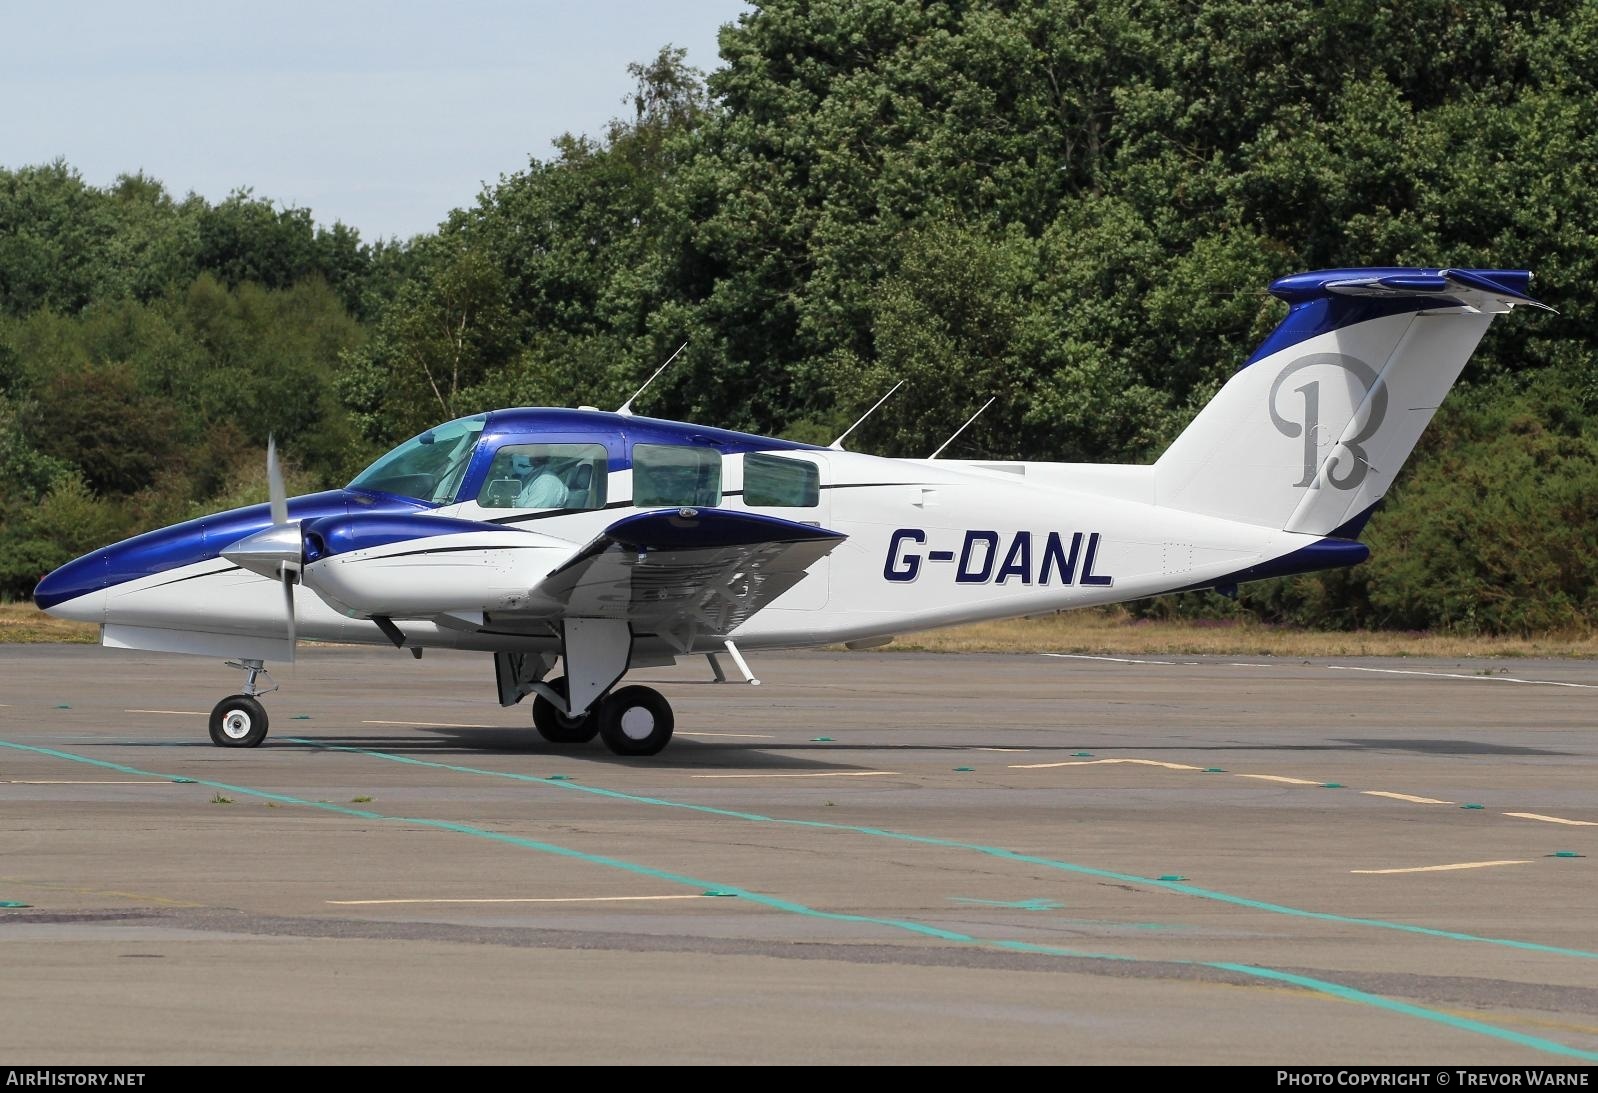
(238, 721)
(635, 721)
(555, 726)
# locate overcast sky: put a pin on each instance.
(382, 115)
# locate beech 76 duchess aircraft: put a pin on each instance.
(610, 541)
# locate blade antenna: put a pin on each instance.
(627, 407)
(962, 428)
(838, 444)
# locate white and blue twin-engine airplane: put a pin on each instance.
(609, 541)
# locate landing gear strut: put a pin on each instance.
(559, 728)
(239, 721)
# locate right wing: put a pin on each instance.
(683, 573)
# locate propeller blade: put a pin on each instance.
(274, 484)
(288, 607)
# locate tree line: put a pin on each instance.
(1072, 206)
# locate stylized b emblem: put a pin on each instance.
(1307, 421)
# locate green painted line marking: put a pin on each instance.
(993, 851)
(1017, 904)
(13, 903)
(1336, 990)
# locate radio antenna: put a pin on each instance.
(838, 444)
(962, 428)
(627, 407)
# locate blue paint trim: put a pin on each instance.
(1325, 554)
(1322, 986)
(331, 536)
(690, 529)
(597, 427)
(196, 541)
(1354, 525)
(1320, 305)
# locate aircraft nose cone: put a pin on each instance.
(76, 590)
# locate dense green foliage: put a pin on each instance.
(1074, 206)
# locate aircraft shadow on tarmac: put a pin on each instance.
(813, 754)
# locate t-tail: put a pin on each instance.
(1308, 435)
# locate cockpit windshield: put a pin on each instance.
(428, 467)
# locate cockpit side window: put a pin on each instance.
(546, 476)
(428, 467)
(774, 482)
(676, 476)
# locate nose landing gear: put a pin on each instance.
(240, 721)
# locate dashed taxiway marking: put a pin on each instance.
(1404, 797)
(1445, 868)
(1552, 819)
(89, 782)
(176, 713)
(1283, 778)
(736, 735)
(1117, 660)
(822, 774)
(530, 899)
(1460, 675)
(425, 724)
(1100, 762)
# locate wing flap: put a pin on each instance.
(684, 573)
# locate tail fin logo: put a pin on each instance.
(1305, 420)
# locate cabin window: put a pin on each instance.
(774, 482)
(428, 467)
(676, 476)
(546, 476)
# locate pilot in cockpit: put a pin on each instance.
(542, 488)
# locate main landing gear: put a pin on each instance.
(631, 720)
(239, 721)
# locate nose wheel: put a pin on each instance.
(238, 721)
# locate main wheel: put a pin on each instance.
(238, 721)
(555, 726)
(635, 721)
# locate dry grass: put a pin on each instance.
(1114, 632)
(1110, 632)
(25, 624)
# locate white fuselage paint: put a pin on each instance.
(990, 524)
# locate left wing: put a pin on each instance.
(683, 573)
